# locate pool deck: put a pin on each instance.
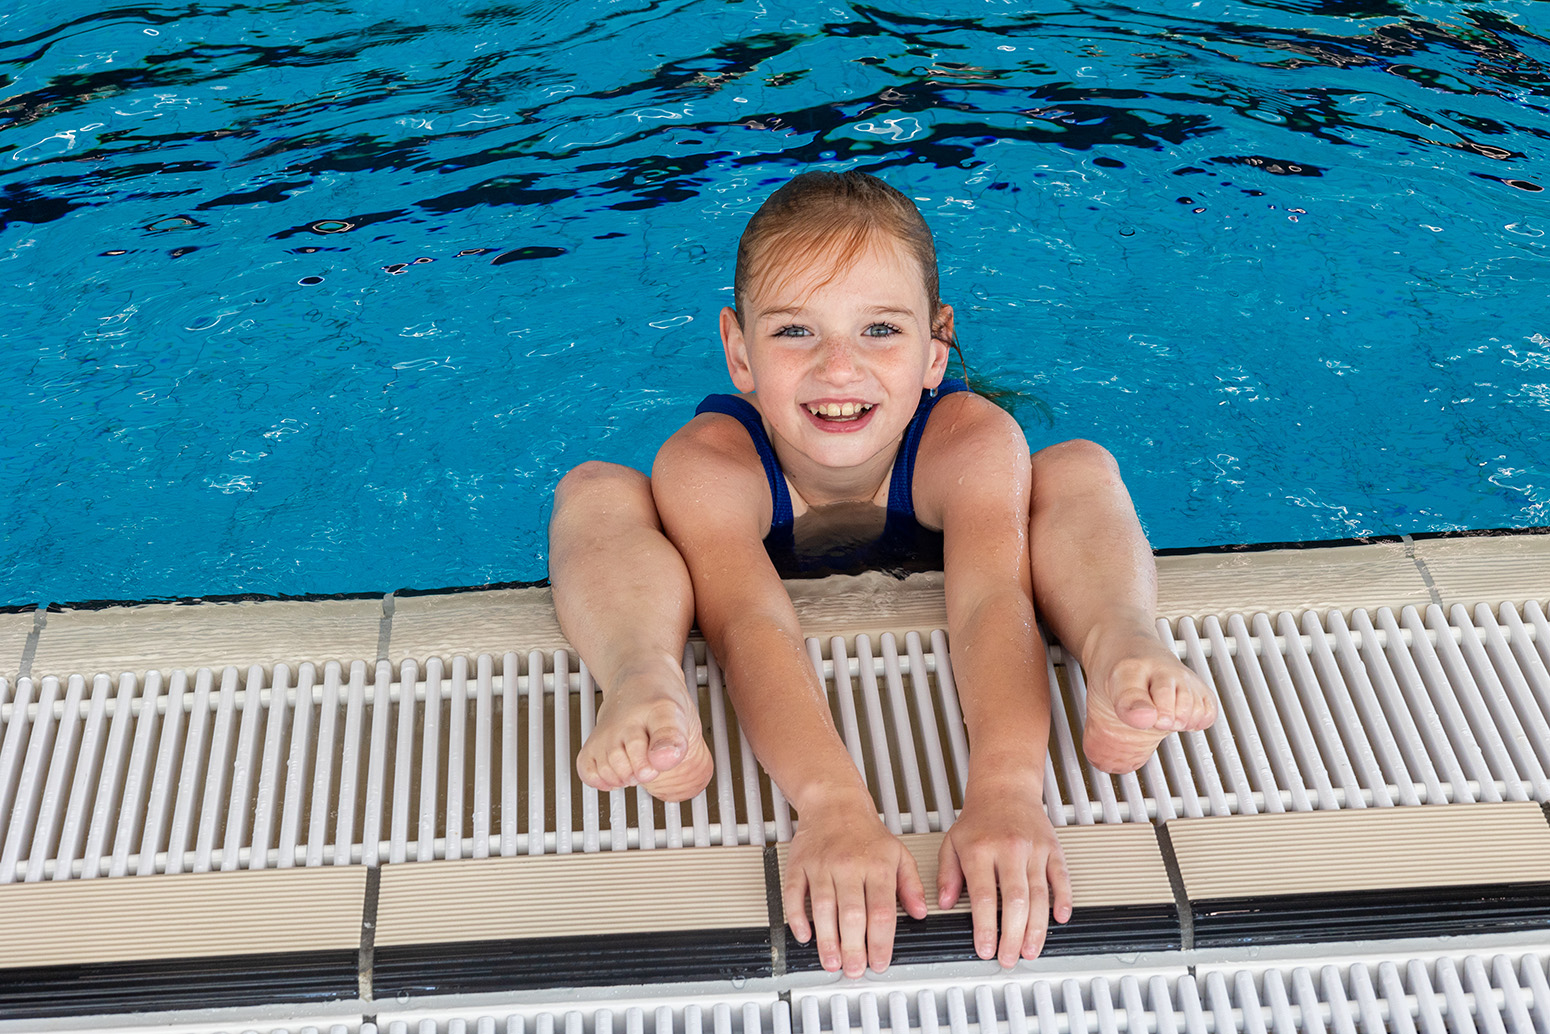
(65, 640)
(1465, 570)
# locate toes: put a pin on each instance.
(667, 746)
(1135, 700)
(686, 779)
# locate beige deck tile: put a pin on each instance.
(471, 623)
(166, 636)
(1324, 852)
(14, 630)
(1488, 568)
(546, 896)
(208, 914)
(1342, 577)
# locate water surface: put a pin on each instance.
(309, 297)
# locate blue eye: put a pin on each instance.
(791, 331)
(880, 330)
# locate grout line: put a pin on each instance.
(369, 931)
(1181, 903)
(1420, 565)
(385, 628)
(30, 650)
(772, 901)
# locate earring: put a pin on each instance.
(933, 393)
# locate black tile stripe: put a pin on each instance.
(1371, 914)
(949, 936)
(589, 960)
(187, 983)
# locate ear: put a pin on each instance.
(942, 337)
(736, 348)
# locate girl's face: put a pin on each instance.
(839, 357)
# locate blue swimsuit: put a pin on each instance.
(905, 545)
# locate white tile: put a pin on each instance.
(166, 636)
(1317, 578)
(486, 621)
(14, 630)
(1488, 568)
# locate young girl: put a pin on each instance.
(839, 344)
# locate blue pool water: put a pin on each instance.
(313, 297)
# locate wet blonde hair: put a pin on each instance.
(833, 214)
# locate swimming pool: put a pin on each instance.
(305, 299)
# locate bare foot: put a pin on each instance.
(648, 734)
(1137, 693)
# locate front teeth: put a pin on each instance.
(838, 409)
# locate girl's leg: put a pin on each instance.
(624, 601)
(1095, 585)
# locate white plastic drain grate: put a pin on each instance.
(194, 771)
(1500, 994)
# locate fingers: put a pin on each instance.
(855, 916)
(880, 912)
(1060, 886)
(949, 876)
(1023, 910)
(793, 897)
(1028, 877)
(1024, 905)
(911, 893)
(852, 922)
(980, 874)
(854, 904)
(826, 926)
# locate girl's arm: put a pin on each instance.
(973, 477)
(710, 492)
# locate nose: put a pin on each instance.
(837, 361)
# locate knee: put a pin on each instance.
(1076, 459)
(595, 480)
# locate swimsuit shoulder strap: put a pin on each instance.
(744, 413)
(901, 492)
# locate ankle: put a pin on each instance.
(1122, 629)
(647, 677)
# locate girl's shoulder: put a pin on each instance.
(709, 476)
(716, 444)
(971, 449)
(971, 417)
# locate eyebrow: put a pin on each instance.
(797, 310)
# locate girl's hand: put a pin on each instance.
(854, 871)
(1005, 838)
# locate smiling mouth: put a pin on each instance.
(838, 411)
